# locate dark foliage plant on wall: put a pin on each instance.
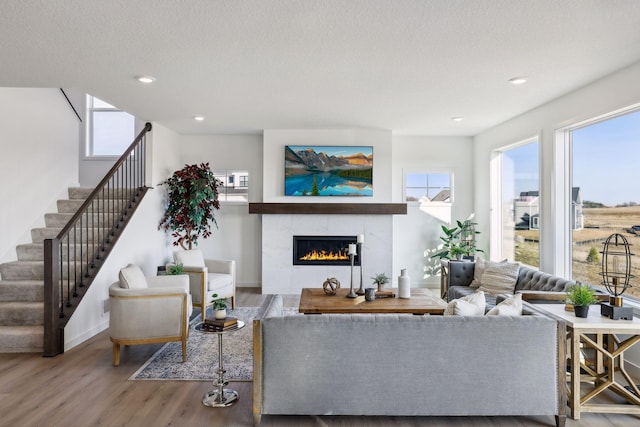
(192, 200)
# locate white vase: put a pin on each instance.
(404, 284)
(220, 314)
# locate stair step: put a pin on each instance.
(39, 234)
(35, 251)
(33, 270)
(21, 313)
(84, 193)
(79, 192)
(22, 290)
(21, 339)
(72, 206)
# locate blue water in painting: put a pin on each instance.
(328, 184)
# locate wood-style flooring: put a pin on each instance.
(83, 388)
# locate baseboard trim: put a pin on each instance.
(73, 342)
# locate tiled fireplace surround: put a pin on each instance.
(280, 276)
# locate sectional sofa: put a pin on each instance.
(406, 365)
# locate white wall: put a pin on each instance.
(614, 92)
(417, 234)
(39, 160)
(238, 234)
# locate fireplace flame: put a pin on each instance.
(323, 255)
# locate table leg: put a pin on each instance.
(574, 403)
(220, 397)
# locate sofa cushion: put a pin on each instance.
(131, 277)
(471, 305)
(478, 271)
(192, 258)
(500, 278)
(512, 306)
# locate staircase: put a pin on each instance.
(22, 282)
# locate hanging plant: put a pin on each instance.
(192, 199)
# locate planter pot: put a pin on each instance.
(220, 314)
(380, 287)
(581, 310)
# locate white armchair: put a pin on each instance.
(208, 277)
(147, 310)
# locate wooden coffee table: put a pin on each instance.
(422, 301)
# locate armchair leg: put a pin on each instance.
(233, 302)
(184, 349)
(116, 354)
(203, 311)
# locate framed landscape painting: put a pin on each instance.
(315, 170)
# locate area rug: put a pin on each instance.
(202, 354)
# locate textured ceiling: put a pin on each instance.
(248, 65)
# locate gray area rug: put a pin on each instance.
(202, 354)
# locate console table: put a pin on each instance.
(603, 336)
(220, 397)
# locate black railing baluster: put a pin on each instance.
(91, 231)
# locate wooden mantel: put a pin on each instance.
(329, 208)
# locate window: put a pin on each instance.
(235, 185)
(110, 131)
(604, 197)
(428, 187)
(519, 203)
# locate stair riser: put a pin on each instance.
(84, 193)
(21, 291)
(72, 206)
(30, 273)
(21, 340)
(38, 235)
(36, 252)
(59, 220)
(21, 314)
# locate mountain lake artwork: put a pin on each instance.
(328, 170)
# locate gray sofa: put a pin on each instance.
(404, 365)
(535, 286)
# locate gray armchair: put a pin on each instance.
(145, 310)
(208, 277)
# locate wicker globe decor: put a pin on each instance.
(616, 272)
(331, 285)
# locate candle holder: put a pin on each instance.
(360, 291)
(351, 293)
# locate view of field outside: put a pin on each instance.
(605, 167)
(606, 174)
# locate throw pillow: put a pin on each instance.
(478, 271)
(192, 258)
(471, 305)
(512, 306)
(500, 278)
(131, 277)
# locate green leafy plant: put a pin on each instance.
(380, 279)
(219, 303)
(581, 295)
(192, 200)
(459, 240)
(175, 269)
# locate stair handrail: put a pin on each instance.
(58, 308)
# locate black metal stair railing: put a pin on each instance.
(73, 258)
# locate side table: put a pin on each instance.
(220, 397)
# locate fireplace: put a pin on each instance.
(323, 250)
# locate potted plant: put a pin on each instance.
(581, 296)
(458, 241)
(175, 269)
(380, 279)
(219, 306)
(192, 200)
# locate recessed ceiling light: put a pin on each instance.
(457, 119)
(146, 79)
(518, 80)
(198, 118)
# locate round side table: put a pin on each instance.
(220, 397)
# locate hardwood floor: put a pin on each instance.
(83, 388)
